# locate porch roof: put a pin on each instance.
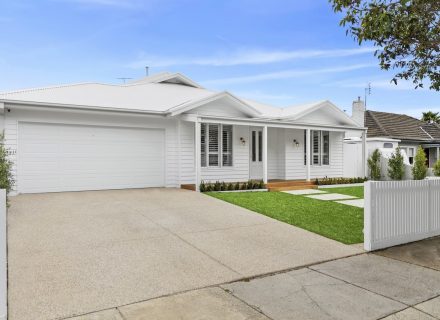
(273, 123)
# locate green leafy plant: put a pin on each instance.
(374, 165)
(405, 33)
(339, 180)
(436, 168)
(396, 167)
(231, 186)
(6, 177)
(419, 169)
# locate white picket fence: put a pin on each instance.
(398, 212)
(3, 257)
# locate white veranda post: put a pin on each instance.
(197, 162)
(265, 154)
(307, 142)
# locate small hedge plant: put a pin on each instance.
(396, 167)
(327, 181)
(6, 177)
(420, 169)
(231, 186)
(436, 168)
(374, 165)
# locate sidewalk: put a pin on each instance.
(366, 286)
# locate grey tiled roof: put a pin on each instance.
(400, 126)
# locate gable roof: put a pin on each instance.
(167, 77)
(400, 126)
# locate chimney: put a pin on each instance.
(358, 111)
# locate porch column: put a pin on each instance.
(307, 142)
(265, 154)
(197, 148)
(364, 153)
(438, 154)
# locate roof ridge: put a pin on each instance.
(49, 87)
(381, 127)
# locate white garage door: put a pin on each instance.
(56, 157)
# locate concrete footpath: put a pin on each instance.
(398, 283)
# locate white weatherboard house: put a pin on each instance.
(164, 131)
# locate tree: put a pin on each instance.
(431, 117)
(6, 178)
(374, 165)
(420, 169)
(396, 168)
(406, 32)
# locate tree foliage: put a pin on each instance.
(430, 117)
(419, 169)
(374, 165)
(406, 32)
(396, 167)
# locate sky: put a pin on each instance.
(278, 52)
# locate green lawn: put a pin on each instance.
(351, 191)
(330, 219)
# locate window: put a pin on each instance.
(254, 146)
(227, 146)
(216, 145)
(260, 146)
(319, 147)
(325, 148)
(316, 147)
(410, 153)
(388, 145)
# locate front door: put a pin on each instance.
(256, 154)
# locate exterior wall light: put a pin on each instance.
(243, 142)
(296, 143)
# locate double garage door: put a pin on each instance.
(58, 157)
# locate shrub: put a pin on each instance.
(374, 165)
(6, 178)
(419, 169)
(396, 167)
(436, 168)
(339, 180)
(231, 186)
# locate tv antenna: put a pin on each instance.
(367, 91)
(123, 79)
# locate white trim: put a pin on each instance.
(197, 150)
(179, 153)
(216, 96)
(308, 154)
(273, 123)
(265, 154)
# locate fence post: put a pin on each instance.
(367, 216)
(3, 257)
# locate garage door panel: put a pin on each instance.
(70, 158)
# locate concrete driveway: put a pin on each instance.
(81, 252)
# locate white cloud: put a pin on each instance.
(286, 74)
(248, 57)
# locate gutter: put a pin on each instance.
(72, 107)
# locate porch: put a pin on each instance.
(285, 156)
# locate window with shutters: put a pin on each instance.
(319, 148)
(216, 145)
(227, 145)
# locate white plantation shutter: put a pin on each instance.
(315, 147)
(216, 145)
(203, 144)
(227, 145)
(213, 145)
(325, 147)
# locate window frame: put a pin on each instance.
(220, 146)
(320, 153)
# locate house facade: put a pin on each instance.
(164, 131)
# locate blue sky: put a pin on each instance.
(279, 52)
